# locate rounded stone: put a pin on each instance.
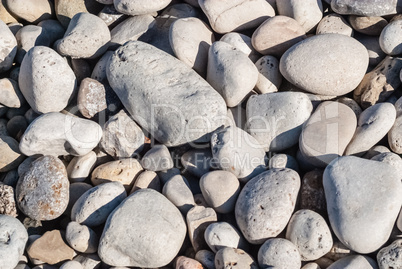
(219, 235)
(242, 43)
(71, 265)
(10, 94)
(391, 38)
(334, 24)
(279, 161)
(372, 44)
(389, 256)
(94, 206)
(28, 37)
(158, 158)
(276, 35)
(43, 191)
(235, 258)
(309, 232)
(81, 238)
(147, 179)
(220, 190)
(139, 7)
(183, 262)
(328, 74)
(354, 261)
(368, 25)
(11, 156)
(279, 253)
(269, 77)
(91, 98)
(146, 230)
(365, 8)
(198, 161)
(177, 190)
(7, 200)
(266, 203)
(80, 167)
(32, 11)
(206, 258)
(46, 80)
(8, 46)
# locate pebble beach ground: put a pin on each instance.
(215, 134)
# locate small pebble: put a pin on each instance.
(334, 24)
(354, 261)
(269, 77)
(158, 158)
(198, 219)
(81, 238)
(187, 263)
(206, 258)
(219, 235)
(71, 265)
(11, 156)
(7, 201)
(280, 253)
(368, 25)
(235, 258)
(80, 167)
(178, 191)
(242, 43)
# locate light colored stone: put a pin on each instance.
(88, 261)
(354, 261)
(7, 201)
(71, 265)
(99, 70)
(390, 158)
(198, 161)
(328, 75)
(389, 256)
(8, 46)
(111, 16)
(81, 238)
(11, 156)
(365, 8)
(275, 119)
(220, 190)
(94, 206)
(309, 232)
(361, 189)
(122, 137)
(28, 37)
(368, 25)
(372, 44)
(234, 258)
(338, 251)
(311, 265)
(266, 203)
(10, 94)
(391, 38)
(184, 113)
(238, 152)
(146, 230)
(66, 9)
(279, 253)
(44, 74)
(277, 34)
(80, 167)
(269, 77)
(230, 72)
(399, 221)
(352, 104)
(139, 7)
(219, 235)
(307, 13)
(372, 125)
(178, 191)
(190, 39)
(327, 133)
(5, 15)
(147, 179)
(198, 219)
(13, 237)
(158, 158)
(87, 36)
(283, 161)
(187, 263)
(32, 11)
(59, 134)
(42, 192)
(91, 97)
(242, 43)
(206, 258)
(334, 24)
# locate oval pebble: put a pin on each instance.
(139, 7)
(242, 43)
(269, 77)
(368, 25)
(206, 258)
(334, 24)
(391, 38)
(80, 167)
(354, 261)
(235, 258)
(365, 8)
(71, 265)
(389, 256)
(11, 156)
(219, 235)
(158, 158)
(32, 11)
(81, 238)
(147, 179)
(178, 191)
(279, 253)
(283, 161)
(10, 94)
(8, 46)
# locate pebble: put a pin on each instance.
(166, 175)
(59, 134)
(390, 158)
(76, 190)
(66, 9)
(129, 67)
(277, 34)
(81, 238)
(187, 263)
(338, 251)
(206, 258)
(42, 192)
(275, 119)
(334, 24)
(140, 7)
(234, 258)
(269, 78)
(390, 38)
(88, 261)
(279, 253)
(99, 70)
(80, 167)
(266, 203)
(158, 158)
(149, 226)
(248, 14)
(94, 206)
(11, 156)
(147, 179)
(309, 232)
(225, 63)
(372, 125)
(8, 47)
(198, 219)
(354, 261)
(26, 164)
(71, 265)
(307, 13)
(219, 235)
(10, 94)
(91, 97)
(242, 43)
(44, 74)
(53, 29)
(389, 256)
(364, 8)
(111, 16)
(28, 37)
(50, 248)
(220, 190)
(238, 152)
(311, 265)
(198, 161)
(343, 73)
(87, 36)
(7, 201)
(327, 133)
(13, 239)
(361, 189)
(178, 191)
(122, 137)
(32, 11)
(283, 161)
(368, 25)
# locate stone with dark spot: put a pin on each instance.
(7, 201)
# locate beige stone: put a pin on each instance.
(187, 263)
(368, 25)
(147, 179)
(269, 77)
(66, 9)
(198, 218)
(32, 11)
(91, 97)
(334, 24)
(5, 16)
(10, 156)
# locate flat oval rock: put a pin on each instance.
(363, 201)
(43, 191)
(330, 64)
(139, 7)
(176, 106)
(366, 7)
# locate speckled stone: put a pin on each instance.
(7, 201)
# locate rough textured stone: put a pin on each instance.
(95, 205)
(219, 235)
(334, 24)
(187, 263)
(198, 219)
(42, 192)
(80, 167)
(307, 13)
(342, 74)
(59, 134)
(91, 97)
(312, 194)
(10, 154)
(178, 191)
(354, 261)
(146, 230)
(234, 258)
(139, 7)
(44, 74)
(366, 7)
(279, 253)
(368, 25)
(266, 203)
(283, 161)
(248, 14)
(167, 106)
(390, 38)
(158, 158)
(81, 238)
(269, 77)
(275, 119)
(7, 201)
(389, 256)
(357, 191)
(32, 11)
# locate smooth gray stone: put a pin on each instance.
(236, 258)
(28, 37)
(81, 238)
(178, 191)
(367, 7)
(158, 158)
(53, 29)
(8, 47)
(279, 253)
(391, 38)
(353, 262)
(176, 106)
(219, 235)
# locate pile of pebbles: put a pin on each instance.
(200, 134)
